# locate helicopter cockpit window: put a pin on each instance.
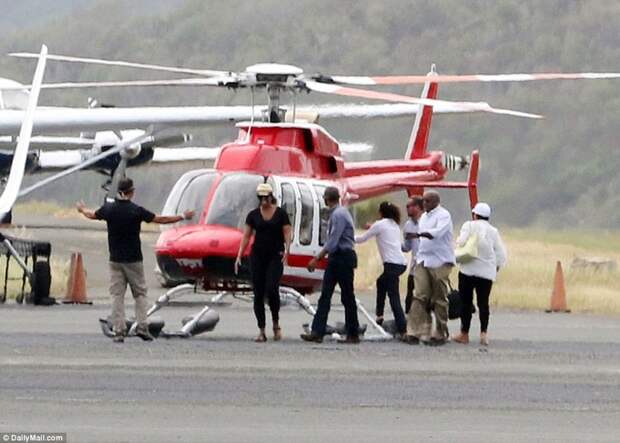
(189, 192)
(307, 213)
(194, 196)
(323, 214)
(289, 202)
(235, 196)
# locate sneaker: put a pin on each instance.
(312, 337)
(144, 334)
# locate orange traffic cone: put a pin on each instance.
(76, 284)
(558, 296)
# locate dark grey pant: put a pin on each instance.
(340, 270)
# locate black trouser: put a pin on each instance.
(467, 284)
(340, 269)
(409, 296)
(266, 274)
(388, 283)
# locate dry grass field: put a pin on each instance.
(527, 280)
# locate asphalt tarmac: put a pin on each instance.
(545, 377)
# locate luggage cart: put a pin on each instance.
(38, 254)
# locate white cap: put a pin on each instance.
(264, 189)
(482, 209)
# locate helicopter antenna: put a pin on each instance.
(294, 93)
(247, 135)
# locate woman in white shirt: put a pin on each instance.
(387, 232)
(480, 272)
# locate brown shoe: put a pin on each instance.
(410, 340)
(462, 338)
(261, 338)
(311, 337)
(484, 341)
(436, 341)
(350, 340)
(277, 334)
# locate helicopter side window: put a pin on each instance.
(323, 214)
(307, 213)
(288, 202)
(235, 196)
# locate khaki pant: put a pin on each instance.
(431, 292)
(122, 274)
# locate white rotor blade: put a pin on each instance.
(98, 61)
(166, 155)
(8, 197)
(421, 79)
(355, 147)
(121, 83)
(375, 95)
(117, 149)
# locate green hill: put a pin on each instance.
(560, 171)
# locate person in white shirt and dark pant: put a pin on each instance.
(387, 232)
(434, 262)
(479, 272)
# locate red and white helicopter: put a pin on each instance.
(299, 159)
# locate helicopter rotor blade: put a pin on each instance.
(99, 61)
(220, 81)
(91, 161)
(489, 78)
(375, 95)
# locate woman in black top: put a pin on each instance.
(272, 238)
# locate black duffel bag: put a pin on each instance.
(455, 303)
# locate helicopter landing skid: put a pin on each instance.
(204, 321)
(337, 332)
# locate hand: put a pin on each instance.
(80, 206)
(284, 258)
(187, 215)
(312, 264)
(237, 264)
(367, 225)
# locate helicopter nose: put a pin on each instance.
(199, 241)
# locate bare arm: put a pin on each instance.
(286, 230)
(247, 233)
(82, 209)
(168, 219)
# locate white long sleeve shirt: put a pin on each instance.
(388, 235)
(411, 244)
(437, 251)
(491, 250)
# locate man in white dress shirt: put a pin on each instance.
(434, 262)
